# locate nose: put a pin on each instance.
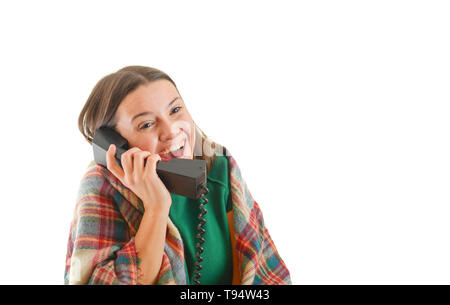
(168, 130)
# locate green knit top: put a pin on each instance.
(217, 265)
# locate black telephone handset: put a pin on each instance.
(184, 177)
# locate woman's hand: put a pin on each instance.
(142, 180)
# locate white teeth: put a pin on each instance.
(173, 148)
(177, 147)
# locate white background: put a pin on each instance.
(337, 113)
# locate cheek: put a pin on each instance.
(148, 143)
(187, 127)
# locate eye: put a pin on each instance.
(177, 109)
(146, 125)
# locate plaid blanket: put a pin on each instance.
(107, 215)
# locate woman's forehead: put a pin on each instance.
(153, 98)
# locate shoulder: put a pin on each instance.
(98, 178)
(96, 212)
(93, 175)
(231, 163)
(224, 162)
(95, 188)
(220, 169)
(93, 180)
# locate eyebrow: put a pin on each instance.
(149, 112)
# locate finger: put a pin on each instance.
(111, 164)
(139, 158)
(127, 160)
(150, 166)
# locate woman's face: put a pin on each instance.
(154, 118)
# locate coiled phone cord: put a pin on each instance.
(200, 239)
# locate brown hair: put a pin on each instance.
(110, 91)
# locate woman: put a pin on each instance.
(128, 229)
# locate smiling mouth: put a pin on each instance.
(174, 152)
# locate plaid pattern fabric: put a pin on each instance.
(101, 247)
